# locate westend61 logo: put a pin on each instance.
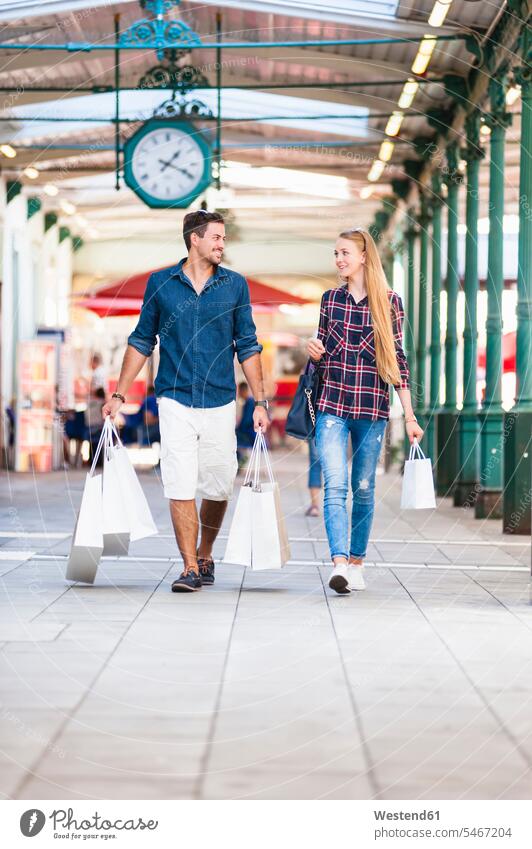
(66, 826)
(31, 822)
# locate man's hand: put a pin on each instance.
(414, 431)
(111, 408)
(315, 349)
(261, 419)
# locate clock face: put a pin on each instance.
(166, 165)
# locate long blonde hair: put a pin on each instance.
(379, 304)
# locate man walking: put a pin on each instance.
(201, 313)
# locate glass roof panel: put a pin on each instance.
(273, 109)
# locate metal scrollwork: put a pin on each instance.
(181, 78)
(158, 33)
(182, 108)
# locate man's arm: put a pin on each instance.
(140, 346)
(248, 351)
(131, 366)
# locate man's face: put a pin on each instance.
(211, 247)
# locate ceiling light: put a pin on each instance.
(366, 192)
(8, 151)
(425, 50)
(408, 93)
(386, 150)
(51, 190)
(67, 207)
(394, 123)
(513, 94)
(31, 172)
(485, 130)
(439, 12)
(376, 170)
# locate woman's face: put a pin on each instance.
(348, 256)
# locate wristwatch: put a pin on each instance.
(119, 396)
(264, 404)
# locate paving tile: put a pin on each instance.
(263, 685)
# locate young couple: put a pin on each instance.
(202, 315)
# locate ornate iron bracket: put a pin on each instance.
(158, 33)
(170, 74)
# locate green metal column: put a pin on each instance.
(435, 344)
(489, 500)
(447, 432)
(518, 421)
(421, 359)
(410, 325)
(466, 488)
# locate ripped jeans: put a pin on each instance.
(331, 440)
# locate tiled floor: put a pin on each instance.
(266, 685)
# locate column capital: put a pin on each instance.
(498, 116)
(451, 175)
(523, 72)
(411, 230)
(472, 150)
(424, 215)
(401, 188)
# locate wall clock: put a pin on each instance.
(167, 163)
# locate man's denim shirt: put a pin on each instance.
(198, 334)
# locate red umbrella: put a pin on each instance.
(508, 353)
(125, 297)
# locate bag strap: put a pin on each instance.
(101, 443)
(415, 448)
(251, 463)
(266, 456)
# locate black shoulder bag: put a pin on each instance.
(301, 419)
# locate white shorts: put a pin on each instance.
(198, 450)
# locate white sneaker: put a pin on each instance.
(356, 578)
(339, 580)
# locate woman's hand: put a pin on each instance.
(414, 431)
(315, 349)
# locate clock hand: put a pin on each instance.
(166, 164)
(176, 168)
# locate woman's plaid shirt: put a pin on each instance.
(351, 386)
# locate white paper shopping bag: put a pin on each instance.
(87, 539)
(139, 517)
(418, 481)
(268, 550)
(116, 530)
(238, 549)
(257, 537)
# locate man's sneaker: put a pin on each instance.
(339, 580)
(187, 582)
(356, 578)
(206, 569)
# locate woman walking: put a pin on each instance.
(359, 351)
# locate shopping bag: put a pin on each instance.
(139, 517)
(87, 539)
(116, 529)
(418, 481)
(257, 537)
(238, 548)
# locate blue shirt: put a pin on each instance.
(198, 334)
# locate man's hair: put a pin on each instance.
(196, 222)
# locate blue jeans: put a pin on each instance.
(331, 439)
(314, 467)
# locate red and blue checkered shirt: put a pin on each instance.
(351, 386)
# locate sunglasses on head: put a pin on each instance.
(361, 232)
